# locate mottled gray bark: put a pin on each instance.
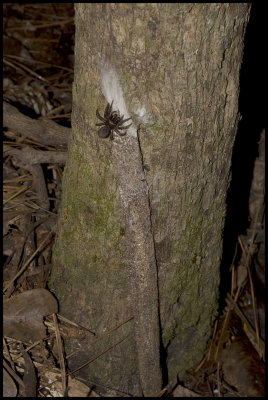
(122, 226)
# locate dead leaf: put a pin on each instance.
(29, 376)
(9, 386)
(24, 313)
(181, 391)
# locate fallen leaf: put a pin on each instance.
(9, 386)
(24, 313)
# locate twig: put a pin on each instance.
(28, 155)
(16, 194)
(60, 353)
(45, 132)
(246, 322)
(13, 374)
(27, 262)
(98, 355)
(48, 25)
(101, 337)
(218, 379)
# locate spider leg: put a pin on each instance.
(124, 127)
(120, 133)
(125, 120)
(112, 135)
(99, 116)
(102, 123)
(108, 110)
(120, 122)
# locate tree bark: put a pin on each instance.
(145, 212)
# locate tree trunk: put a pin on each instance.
(144, 212)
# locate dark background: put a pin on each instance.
(252, 110)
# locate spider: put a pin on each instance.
(112, 122)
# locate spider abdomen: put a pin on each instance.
(104, 132)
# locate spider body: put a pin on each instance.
(111, 122)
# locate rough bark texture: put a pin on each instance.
(140, 260)
(178, 65)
